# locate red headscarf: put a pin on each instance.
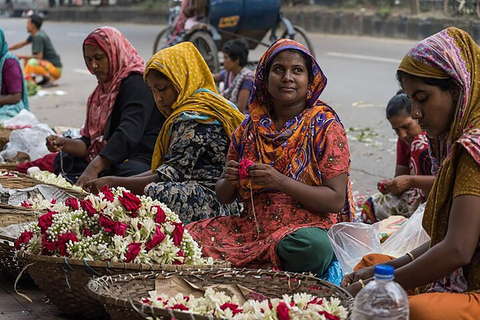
(123, 60)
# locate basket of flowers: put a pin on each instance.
(113, 232)
(17, 180)
(221, 294)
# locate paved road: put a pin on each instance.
(360, 72)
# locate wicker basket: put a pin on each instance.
(9, 215)
(64, 280)
(121, 293)
(9, 165)
(25, 181)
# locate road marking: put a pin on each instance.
(76, 34)
(361, 57)
(82, 71)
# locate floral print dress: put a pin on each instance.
(193, 164)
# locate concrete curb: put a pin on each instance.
(314, 19)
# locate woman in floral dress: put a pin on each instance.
(298, 185)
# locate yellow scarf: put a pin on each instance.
(184, 66)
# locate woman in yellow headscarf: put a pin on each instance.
(192, 146)
(441, 76)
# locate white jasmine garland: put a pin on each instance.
(220, 305)
(51, 178)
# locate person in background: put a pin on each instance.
(13, 94)
(122, 122)
(192, 146)
(236, 76)
(44, 60)
(441, 75)
(413, 174)
(289, 164)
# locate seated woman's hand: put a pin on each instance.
(55, 143)
(231, 172)
(265, 175)
(95, 185)
(353, 277)
(87, 175)
(399, 184)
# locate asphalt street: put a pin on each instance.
(361, 79)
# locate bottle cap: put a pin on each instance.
(383, 271)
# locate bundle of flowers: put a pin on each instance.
(115, 226)
(51, 178)
(220, 305)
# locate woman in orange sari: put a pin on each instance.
(289, 164)
(441, 75)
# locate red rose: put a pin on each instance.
(160, 217)
(243, 168)
(45, 221)
(179, 306)
(178, 233)
(87, 232)
(107, 193)
(282, 311)
(133, 250)
(328, 316)
(49, 246)
(23, 238)
(181, 255)
(63, 240)
(131, 202)
(107, 223)
(25, 204)
(72, 202)
(231, 306)
(88, 207)
(157, 238)
(53, 201)
(120, 228)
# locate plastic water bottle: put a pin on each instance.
(381, 298)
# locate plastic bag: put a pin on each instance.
(14, 230)
(30, 140)
(351, 241)
(408, 237)
(23, 119)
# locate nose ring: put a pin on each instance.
(417, 113)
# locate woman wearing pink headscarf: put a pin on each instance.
(122, 121)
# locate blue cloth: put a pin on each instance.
(334, 273)
(9, 111)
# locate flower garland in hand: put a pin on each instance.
(220, 305)
(115, 226)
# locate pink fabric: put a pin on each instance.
(124, 60)
(12, 77)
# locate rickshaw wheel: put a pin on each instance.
(203, 41)
(301, 36)
(160, 41)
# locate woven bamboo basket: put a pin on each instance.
(9, 165)
(64, 280)
(25, 181)
(121, 293)
(9, 215)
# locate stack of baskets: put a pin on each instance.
(64, 280)
(10, 215)
(121, 294)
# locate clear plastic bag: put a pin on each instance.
(351, 241)
(23, 119)
(30, 140)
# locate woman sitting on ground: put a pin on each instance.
(237, 77)
(413, 174)
(192, 147)
(298, 185)
(122, 122)
(441, 76)
(13, 95)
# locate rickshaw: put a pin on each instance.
(228, 19)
